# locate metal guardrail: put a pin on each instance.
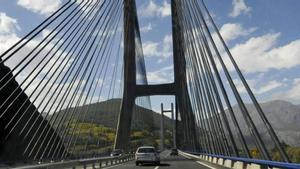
(250, 161)
(84, 163)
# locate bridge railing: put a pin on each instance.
(240, 163)
(84, 163)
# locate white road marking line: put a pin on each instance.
(156, 167)
(186, 156)
(199, 162)
(205, 165)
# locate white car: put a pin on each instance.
(147, 154)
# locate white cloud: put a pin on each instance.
(43, 7)
(240, 87)
(292, 94)
(8, 24)
(164, 75)
(6, 41)
(232, 31)
(268, 87)
(256, 87)
(260, 54)
(46, 32)
(154, 10)
(165, 9)
(146, 28)
(8, 37)
(163, 49)
(239, 7)
(8, 28)
(296, 81)
(150, 48)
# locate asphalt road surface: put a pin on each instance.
(167, 162)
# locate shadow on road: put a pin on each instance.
(175, 158)
(164, 165)
(161, 165)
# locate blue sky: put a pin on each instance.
(269, 27)
(264, 37)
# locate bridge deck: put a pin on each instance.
(172, 162)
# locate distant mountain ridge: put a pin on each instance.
(106, 113)
(283, 116)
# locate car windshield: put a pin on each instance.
(117, 151)
(146, 150)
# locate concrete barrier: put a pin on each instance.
(228, 163)
(215, 160)
(82, 163)
(239, 165)
(220, 161)
(256, 166)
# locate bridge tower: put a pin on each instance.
(132, 90)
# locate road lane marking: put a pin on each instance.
(156, 167)
(199, 162)
(186, 156)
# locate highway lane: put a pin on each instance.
(167, 162)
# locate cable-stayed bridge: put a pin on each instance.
(86, 60)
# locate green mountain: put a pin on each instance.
(106, 113)
(91, 128)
